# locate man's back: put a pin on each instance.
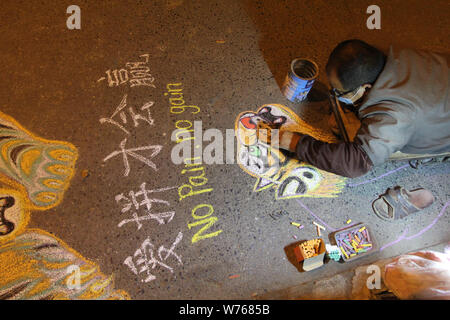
(407, 109)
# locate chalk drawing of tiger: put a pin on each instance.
(272, 168)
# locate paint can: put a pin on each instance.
(300, 79)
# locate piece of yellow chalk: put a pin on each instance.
(357, 239)
(349, 220)
(362, 229)
(296, 224)
(343, 251)
(366, 245)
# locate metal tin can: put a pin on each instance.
(300, 79)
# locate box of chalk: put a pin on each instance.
(311, 252)
(355, 242)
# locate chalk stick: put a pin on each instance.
(296, 224)
(343, 251)
(345, 244)
(366, 232)
(318, 225)
(361, 234)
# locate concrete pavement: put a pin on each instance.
(228, 57)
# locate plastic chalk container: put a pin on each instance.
(349, 238)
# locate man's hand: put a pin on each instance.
(280, 139)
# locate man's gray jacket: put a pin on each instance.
(407, 109)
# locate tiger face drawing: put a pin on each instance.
(272, 168)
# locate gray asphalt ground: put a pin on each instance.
(230, 56)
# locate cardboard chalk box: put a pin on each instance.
(313, 262)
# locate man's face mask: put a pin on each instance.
(356, 96)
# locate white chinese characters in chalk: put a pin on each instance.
(121, 112)
(155, 149)
(145, 259)
(135, 74)
(144, 200)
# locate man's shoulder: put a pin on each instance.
(385, 107)
(397, 51)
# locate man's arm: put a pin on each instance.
(345, 159)
(384, 130)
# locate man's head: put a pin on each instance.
(352, 68)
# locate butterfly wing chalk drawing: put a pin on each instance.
(35, 264)
(43, 168)
(290, 178)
